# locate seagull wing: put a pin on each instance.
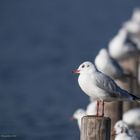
(107, 84)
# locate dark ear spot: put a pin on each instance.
(83, 66)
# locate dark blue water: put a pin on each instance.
(41, 41)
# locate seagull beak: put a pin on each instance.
(76, 71)
(113, 132)
(71, 119)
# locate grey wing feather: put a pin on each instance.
(106, 83)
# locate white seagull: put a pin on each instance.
(100, 86)
(132, 27)
(78, 115)
(122, 46)
(123, 132)
(136, 15)
(109, 66)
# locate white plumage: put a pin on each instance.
(132, 117)
(121, 46)
(99, 86)
(109, 66)
(123, 132)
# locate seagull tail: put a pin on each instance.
(135, 98)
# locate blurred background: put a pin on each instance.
(41, 42)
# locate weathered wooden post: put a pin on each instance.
(95, 128)
(114, 111)
(131, 65)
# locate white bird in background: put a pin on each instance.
(78, 115)
(109, 66)
(136, 15)
(132, 27)
(123, 132)
(132, 117)
(100, 86)
(121, 46)
(90, 110)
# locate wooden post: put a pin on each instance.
(95, 128)
(114, 111)
(131, 65)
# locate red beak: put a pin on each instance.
(76, 71)
(71, 118)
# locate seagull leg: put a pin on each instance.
(97, 110)
(102, 109)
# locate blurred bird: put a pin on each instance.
(78, 114)
(122, 46)
(136, 15)
(123, 132)
(90, 110)
(132, 117)
(132, 27)
(109, 66)
(100, 86)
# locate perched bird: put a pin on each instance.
(136, 15)
(123, 132)
(100, 86)
(132, 117)
(122, 46)
(109, 66)
(78, 114)
(132, 27)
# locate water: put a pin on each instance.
(40, 43)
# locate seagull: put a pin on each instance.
(123, 132)
(136, 15)
(109, 66)
(132, 117)
(78, 115)
(122, 46)
(100, 86)
(132, 27)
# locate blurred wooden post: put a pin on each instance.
(114, 111)
(131, 66)
(95, 128)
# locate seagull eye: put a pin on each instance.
(83, 66)
(87, 65)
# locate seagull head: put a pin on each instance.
(121, 127)
(136, 15)
(85, 68)
(79, 113)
